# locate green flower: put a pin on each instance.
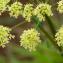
(3, 5)
(59, 37)
(28, 12)
(5, 35)
(60, 6)
(43, 9)
(15, 9)
(30, 39)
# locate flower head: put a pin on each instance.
(5, 35)
(30, 39)
(43, 9)
(28, 12)
(15, 9)
(60, 6)
(59, 37)
(3, 5)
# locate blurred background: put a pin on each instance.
(46, 52)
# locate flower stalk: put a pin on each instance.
(51, 25)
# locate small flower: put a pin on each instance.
(15, 9)
(30, 39)
(60, 6)
(28, 12)
(5, 35)
(3, 5)
(43, 9)
(59, 37)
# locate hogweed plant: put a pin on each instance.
(41, 10)
(60, 6)
(59, 36)
(31, 38)
(28, 12)
(3, 5)
(15, 9)
(5, 35)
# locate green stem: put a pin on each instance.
(52, 39)
(51, 25)
(46, 33)
(41, 28)
(8, 54)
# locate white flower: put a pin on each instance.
(5, 35)
(3, 5)
(30, 39)
(43, 9)
(15, 9)
(59, 37)
(60, 6)
(28, 12)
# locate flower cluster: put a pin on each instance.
(28, 12)
(30, 39)
(5, 35)
(15, 9)
(3, 5)
(43, 9)
(59, 37)
(60, 6)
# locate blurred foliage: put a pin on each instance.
(46, 53)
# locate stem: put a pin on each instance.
(37, 25)
(41, 28)
(51, 25)
(46, 33)
(18, 24)
(52, 39)
(8, 54)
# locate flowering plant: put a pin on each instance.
(40, 14)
